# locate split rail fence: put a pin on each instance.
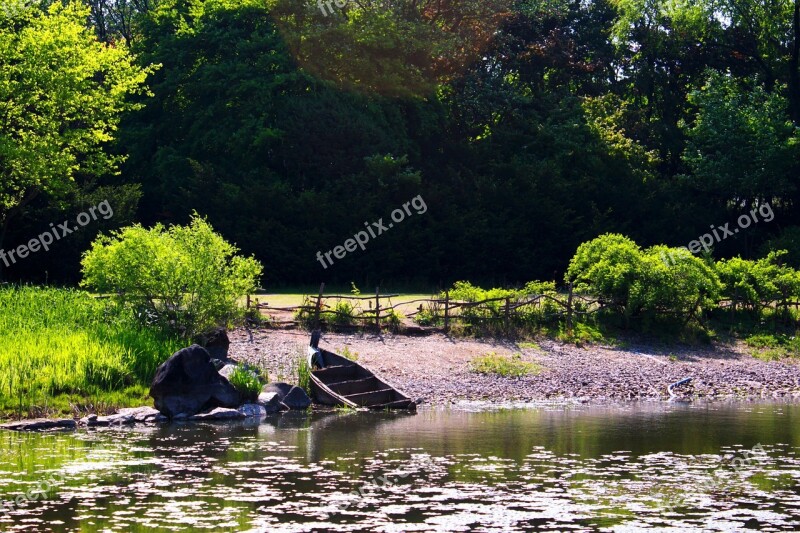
(444, 312)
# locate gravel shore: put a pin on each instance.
(436, 368)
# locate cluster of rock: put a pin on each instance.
(188, 386)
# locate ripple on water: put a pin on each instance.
(311, 477)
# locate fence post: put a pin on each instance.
(319, 306)
(508, 314)
(446, 311)
(378, 308)
(569, 308)
(248, 300)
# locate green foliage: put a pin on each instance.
(66, 342)
(184, 277)
(743, 114)
(304, 375)
(347, 354)
(632, 281)
(514, 366)
(246, 382)
(772, 347)
(393, 319)
(64, 94)
(344, 313)
(755, 284)
(581, 334)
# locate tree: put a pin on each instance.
(62, 95)
(742, 146)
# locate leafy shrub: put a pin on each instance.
(345, 313)
(246, 382)
(756, 283)
(393, 319)
(500, 365)
(580, 334)
(430, 313)
(188, 278)
(632, 281)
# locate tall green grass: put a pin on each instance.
(64, 342)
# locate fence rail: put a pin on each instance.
(382, 312)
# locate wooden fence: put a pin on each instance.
(500, 312)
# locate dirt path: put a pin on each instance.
(436, 368)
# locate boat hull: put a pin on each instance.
(345, 383)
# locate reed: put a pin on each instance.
(67, 343)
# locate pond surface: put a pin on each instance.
(625, 468)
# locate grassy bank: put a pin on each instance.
(64, 351)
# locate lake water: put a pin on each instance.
(624, 468)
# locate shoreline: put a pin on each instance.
(435, 368)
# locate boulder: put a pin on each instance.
(253, 410)
(126, 416)
(289, 395)
(297, 399)
(270, 401)
(216, 342)
(220, 413)
(187, 383)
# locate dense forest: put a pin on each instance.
(528, 127)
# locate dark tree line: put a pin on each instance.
(527, 126)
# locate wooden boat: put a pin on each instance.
(340, 382)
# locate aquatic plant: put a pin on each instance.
(246, 382)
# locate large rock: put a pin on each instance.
(270, 401)
(41, 424)
(187, 384)
(216, 342)
(291, 396)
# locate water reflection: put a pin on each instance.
(585, 469)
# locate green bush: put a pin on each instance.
(754, 284)
(187, 278)
(631, 281)
(345, 313)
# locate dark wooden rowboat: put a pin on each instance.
(344, 383)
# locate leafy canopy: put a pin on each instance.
(63, 94)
